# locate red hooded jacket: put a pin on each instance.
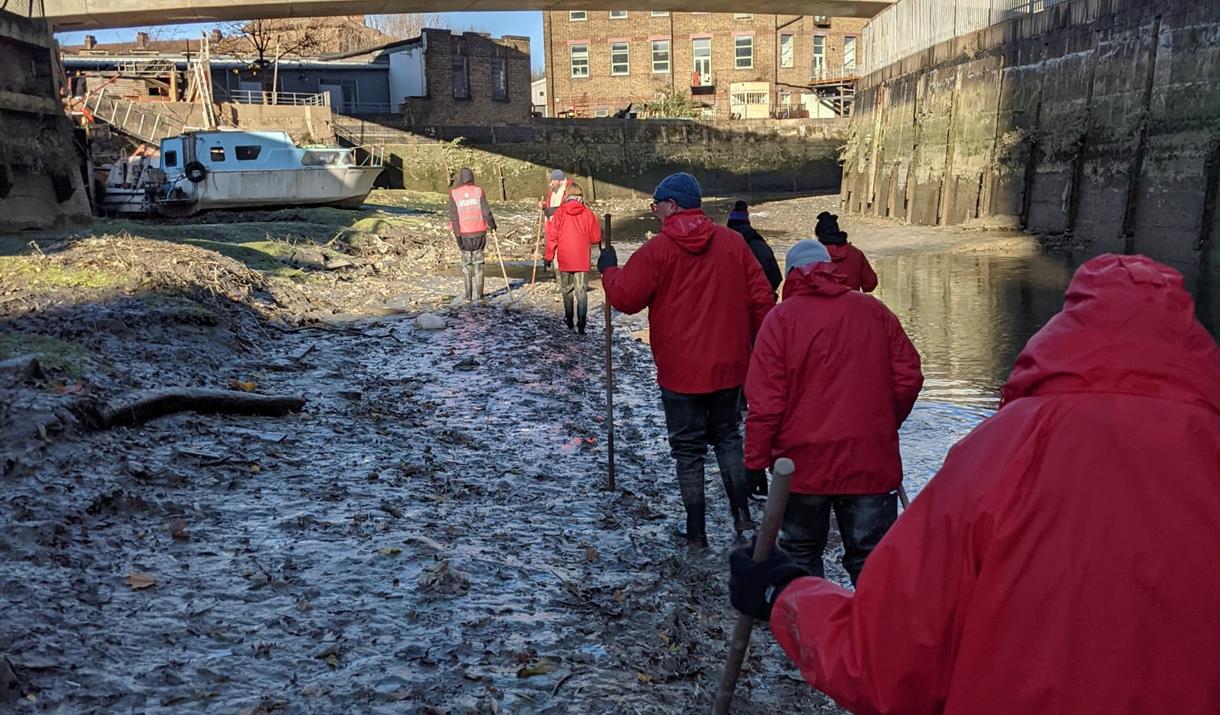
(854, 265)
(1064, 560)
(832, 377)
(706, 297)
(570, 232)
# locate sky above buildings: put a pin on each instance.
(528, 24)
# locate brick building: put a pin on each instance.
(732, 64)
(473, 78)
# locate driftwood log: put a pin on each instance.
(159, 403)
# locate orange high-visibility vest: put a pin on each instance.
(469, 201)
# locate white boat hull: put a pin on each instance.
(320, 186)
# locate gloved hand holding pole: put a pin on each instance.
(773, 517)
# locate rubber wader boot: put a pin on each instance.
(582, 319)
(478, 282)
(567, 315)
(693, 500)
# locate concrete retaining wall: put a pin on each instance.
(612, 158)
(1098, 118)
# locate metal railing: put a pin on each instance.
(254, 96)
(357, 109)
(147, 68)
(908, 26)
(145, 121)
(833, 74)
(23, 8)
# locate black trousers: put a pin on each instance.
(863, 520)
(574, 287)
(695, 422)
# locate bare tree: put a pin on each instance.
(404, 26)
(269, 41)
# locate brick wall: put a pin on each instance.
(604, 91)
(442, 107)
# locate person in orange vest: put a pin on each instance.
(470, 218)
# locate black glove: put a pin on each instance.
(607, 259)
(546, 265)
(753, 588)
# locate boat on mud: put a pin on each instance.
(235, 169)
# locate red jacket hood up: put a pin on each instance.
(1127, 325)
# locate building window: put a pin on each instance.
(743, 16)
(701, 49)
(580, 60)
(461, 77)
(578, 16)
(618, 14)
(247, 153)
(787, 51)
(819, 56)
(216, 153)
(660, 56)
(849, 53)
(499, 79)
(660, 13)
(171, 158)
(599, 113)
(620, 58)
(743, 52)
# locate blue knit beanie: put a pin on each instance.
(805, 253)
(682, 188)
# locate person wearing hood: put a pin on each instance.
(739, 221)
(557, 191)
(1063, 560)
(569, 235)
(470, 219)
(850, 261)
(832, 378)
(706, 297)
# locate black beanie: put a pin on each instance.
(828, 231)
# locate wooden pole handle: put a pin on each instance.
(773, 517)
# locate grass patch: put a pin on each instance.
(38, 273)
(70, 359)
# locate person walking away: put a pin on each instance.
(556, 193)
(739, 221)
(1063, 560)
(706, 298)
(569, 236)
(470, 219)
(832, 378)
(850, 261)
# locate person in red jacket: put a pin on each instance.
(569, 234)
(1064, 558)
(706, 297)
(850, 261)
(831, 380)
(470, 219)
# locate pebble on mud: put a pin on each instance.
(430, 321)
(443, 578)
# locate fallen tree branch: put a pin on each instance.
(160, 403)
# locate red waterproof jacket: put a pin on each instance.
(832, 377)
(854, 265)
(570, 233)
(706, 297)
(1064, 560)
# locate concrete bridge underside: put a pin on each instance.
(70, 15)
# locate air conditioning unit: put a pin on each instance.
(821, 20)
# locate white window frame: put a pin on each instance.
(625, 48)
(572, 56)
(669, 59)
(819, 55)
(578, 15)
(854, 43)
(737, 47)
(659, 13)
(743, 16)
(622, 15)
(696, 60)
(787, 41)
(601, 113)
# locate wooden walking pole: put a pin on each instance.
(777, 500)
(537, 246)
(495, 240)
(609, 369)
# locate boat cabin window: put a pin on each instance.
(319, 158)
(247, 153)
(216, 153)
(171, 159)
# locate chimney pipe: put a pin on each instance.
(217, 35)
(90, 42)
(141, 40)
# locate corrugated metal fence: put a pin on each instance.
(908, 26)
